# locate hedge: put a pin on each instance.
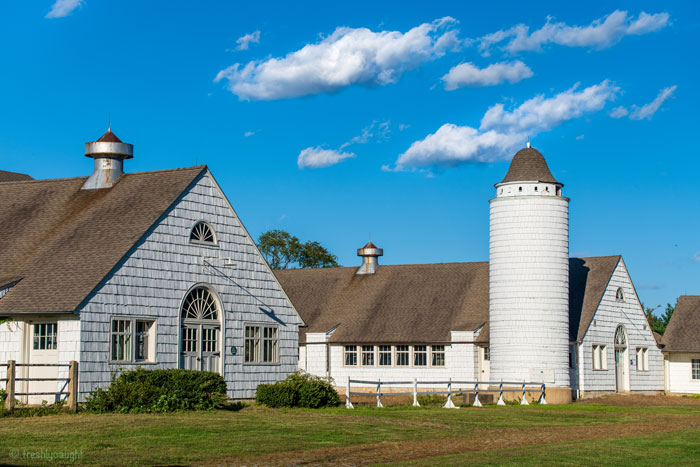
(299, 389)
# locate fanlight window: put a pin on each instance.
(202, 233)
(620, 337)
(620, 295)
(200, 304)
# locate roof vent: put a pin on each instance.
(370, 255)
(109, 153)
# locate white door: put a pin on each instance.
(484, 364)
(620, 370)
(43, 349)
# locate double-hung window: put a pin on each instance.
(45, 336)
(642, 359)
(261, 344)
(367, 355)
(132, 340)
(696, 369)
(420, 355)
(350, 355)
(438, 354)
(600, 359)
(402, 355)
(384, 355)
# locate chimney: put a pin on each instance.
(370, 255)
(109, 153)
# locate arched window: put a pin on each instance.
(620, 337)
(202, 233)
(200, 331)
(620, 295)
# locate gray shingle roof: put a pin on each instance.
(6, 176)
(528, 165)
(421, 302)
(60, 241)
(683, 331)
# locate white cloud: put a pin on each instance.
(467, 74)
(600, 34)
(315, 158)
(379, 131)
(245, 41)
(502, 131)
(248, 133)
(63, 8)
(696, 257)
(348, 56)
(648, 110)
(619, 112)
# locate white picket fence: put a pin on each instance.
(452, 387)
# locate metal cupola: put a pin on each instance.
(370, 254)
(109, 153)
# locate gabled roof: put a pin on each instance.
(683, 330)
(528, 165)
(62, 241)
(6, 176)
(421, 302)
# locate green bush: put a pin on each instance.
(159, 391)
(299, 389)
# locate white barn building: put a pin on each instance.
(681, 347)
(531, 313)
(151, 269)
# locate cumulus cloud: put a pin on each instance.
(600, 34)
(467, 74)
(315, 158)
(63, 8)
(245, 41)
(348, 56)
(619, 112)
(648, 110)
(502, 131)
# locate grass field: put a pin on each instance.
(613, 431)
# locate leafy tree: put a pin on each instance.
(285, 251)
(659, 323)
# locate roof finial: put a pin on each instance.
(109, 121)
(528, 141)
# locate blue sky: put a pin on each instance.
(337, 121)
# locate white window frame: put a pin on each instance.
(620, 294)
(642, 359)
(47, 334)
(350, 351)
(213, 242)
(695, 369)
(382, 352)
(132, 338)
(371, 354)
(258, 342)
(441, 350)
(599, 357)
(406, 352)
(415, 353)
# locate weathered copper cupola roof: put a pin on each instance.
(109, 153)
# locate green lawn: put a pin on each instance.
(534, 435)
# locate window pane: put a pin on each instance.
(368, 355)
(420, 357)
(438, 352)
(385, 355)
(350, 355)
(696, 369)
(402, 355)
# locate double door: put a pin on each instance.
(200, 347)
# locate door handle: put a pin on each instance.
(198, 359)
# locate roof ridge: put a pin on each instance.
(39, 180)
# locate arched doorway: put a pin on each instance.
(200, 331)
(621, 360)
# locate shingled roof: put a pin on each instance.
(683, 331)
(421, 302)
(6, 176)
(59, 242)
(528, 165)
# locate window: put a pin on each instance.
(487, 354)
(367, 355)
(132, 340)
(535, 188)
(350, 355)
(642, 359)
(402, 355)
(438, 353)
(620, 295)
(252, 344)
(420, 355)
(520, 188)
(600, 359)
(45, 336)
(202, 233)
(696, 369)
(384, 355)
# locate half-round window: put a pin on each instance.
(620, 337)
(200, 304)
(202, 233)
(620, 295)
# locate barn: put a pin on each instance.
(681, 347)
(119, 270)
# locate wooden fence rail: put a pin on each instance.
(521, 386)
(72, 383)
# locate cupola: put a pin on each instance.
(370, 254)
(109, 153)
(528, 175)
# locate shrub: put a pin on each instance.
(299, 389)
(159, 391)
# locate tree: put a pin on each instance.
(659, 323)
(285, 251)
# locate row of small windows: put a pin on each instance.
(600, 359)
(537, 189)
(397, 355)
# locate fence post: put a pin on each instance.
(379, 393)
(477, 402)
(73, 386)
(10, 386)
(449, 404)
(415, 393)
(500, 395)
(348, 404)
(524, 401)
(543, 401)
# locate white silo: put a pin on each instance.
(529, 275)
